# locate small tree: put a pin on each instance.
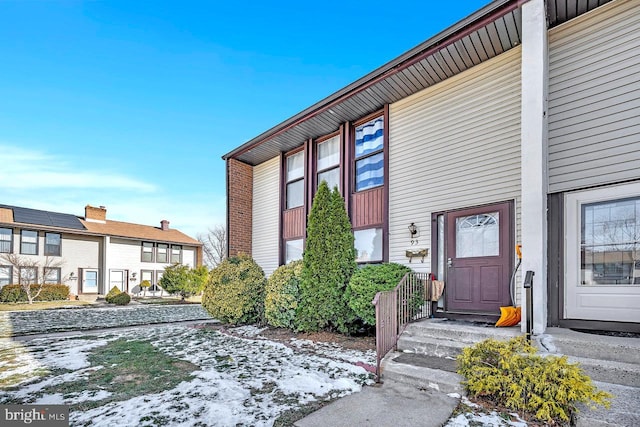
(33, 272)
(328, 263)
(145, 284)
(184, 281)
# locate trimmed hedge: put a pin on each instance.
(122, 298)
(368, 281)
(15, 293)
(112, 293)
(282, 295)
(235, 292)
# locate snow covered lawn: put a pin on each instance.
(224, 380)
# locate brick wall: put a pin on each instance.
(239, 206)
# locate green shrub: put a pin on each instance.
(281, 299)
(235, 292)
(511, 374)
(15, 293)
(112, 293)
(122, 298)
(184, 281)
(328, 263)
(368, 281)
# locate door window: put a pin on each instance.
(90, 281)
(478, 235)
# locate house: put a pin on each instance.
(519, 124)
(90, 254)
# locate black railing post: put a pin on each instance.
(528, 285)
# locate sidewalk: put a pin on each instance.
(392, 404)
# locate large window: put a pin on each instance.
(147, 252)
(29, 242)
(293, 250)
(295, 180)
(369, 154)
(6, 238)
(52, 276)
(28, 275)
(6, 275)
(368, 245)
(328, 162)
(162, 253)
(148, 276)
(610, 242)
(176, 254)
(52, 243)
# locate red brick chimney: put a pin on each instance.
(164, 224)
(99, 214)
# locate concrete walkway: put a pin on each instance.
(17, 323)
(392, 404)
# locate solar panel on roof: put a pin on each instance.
(52, 219)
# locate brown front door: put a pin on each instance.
(479, 258)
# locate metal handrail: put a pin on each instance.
(409, 301)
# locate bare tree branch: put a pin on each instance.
(214, 245)
(27, 268)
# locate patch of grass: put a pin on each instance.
(289, 417)
(129, 369)
(197, 299)
(12, 357)
(41, 305)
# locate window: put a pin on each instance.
(176, 254)
(52, 243)
(328, 162)
(293, 250)
(369, 155)
(478, 235)
(156, 286)
(51, 276)
(162, 253)
(28, 275)
(6, 275)
(147, 252)
(148, 276)
(610, 242)
(368, 245)
(295, 180)
(29, 242)
(6, 238)
(90, 281)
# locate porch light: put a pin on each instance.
(413, 230)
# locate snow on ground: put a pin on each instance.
(241, 380)
(478, 418)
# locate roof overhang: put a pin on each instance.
(490, 31)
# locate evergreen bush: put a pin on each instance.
(122, 298)
(15, 293)
(281, 299)
(235, 292)
(368, 281)
(112, 293)
(512, 375)
(328, 263)
(184, 281)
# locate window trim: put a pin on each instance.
(340, 165)
(47, 253)
(167, 248)
(303, 178)
(355, 159)
(171, 254)
(382, 250)
(142, 251)
(10, 267)
(10, 251)
(37, 243)
(46, 270)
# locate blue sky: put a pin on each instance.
(131, 104)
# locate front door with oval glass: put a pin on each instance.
(479, 258)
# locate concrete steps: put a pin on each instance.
(427, 351)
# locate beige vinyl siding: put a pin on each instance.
(454, 145)
(265, 241)
(594, 98)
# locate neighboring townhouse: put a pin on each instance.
(90, 254)
(518, 125)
